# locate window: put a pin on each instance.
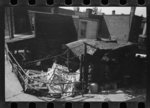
(83, 29)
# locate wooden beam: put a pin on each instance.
(10, 24)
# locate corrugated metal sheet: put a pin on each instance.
(77, 47)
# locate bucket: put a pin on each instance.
(93, 88)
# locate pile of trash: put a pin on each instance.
(58, 80)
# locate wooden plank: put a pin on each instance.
(19, 37)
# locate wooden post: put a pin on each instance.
(132, 15)
(144, 29)
(9, 16)
(85, 68)
(81, 74)
(68, 59)
(85, 49)
(11, 23)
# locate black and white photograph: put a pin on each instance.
(75, 54)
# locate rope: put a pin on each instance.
(48, 57)
(26, 74)
(69, 58)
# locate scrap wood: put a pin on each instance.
(38, 88)
(35, 83)
(47, 99)
(35, 72)
(66, 76)
(61, 85)
(50, 74)
(54, 89)
(60, 67)
(56, 80)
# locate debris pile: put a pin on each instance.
(57, 80)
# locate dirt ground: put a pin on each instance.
(13, 89)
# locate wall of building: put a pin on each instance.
(21, 20)
(118, 27)
(52, 31)
(88, 28)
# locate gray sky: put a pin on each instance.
(119, 10)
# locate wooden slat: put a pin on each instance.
(19, 37)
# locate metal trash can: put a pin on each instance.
(93, 88)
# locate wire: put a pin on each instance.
(48, 57)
